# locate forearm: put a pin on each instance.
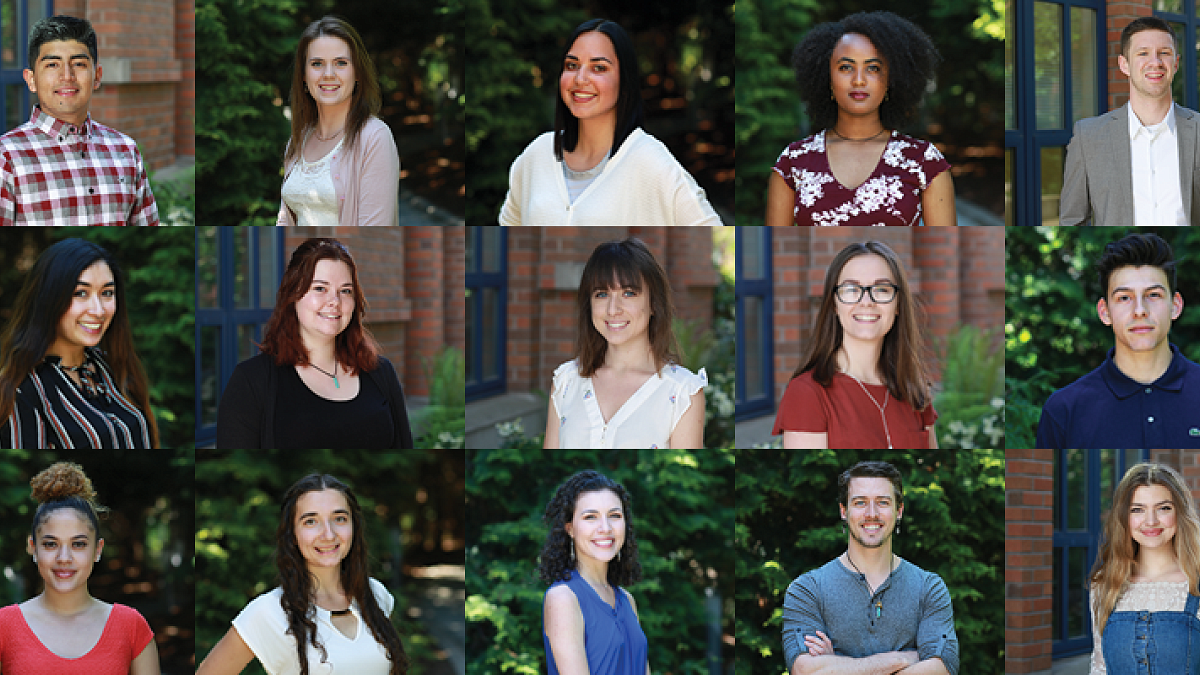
(931, 666)
(876, 664)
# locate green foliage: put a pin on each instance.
(683, 512)
(176, 199)
(1053, 335)
(788, 524)
(713, 350)
(237, 514)
(443, 421)
(240, 128)
(971, 404)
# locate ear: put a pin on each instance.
(29, 81)
(99, 73)
(99, 547)
(1176, 306)
(842, 508)
(1123, 64)
(569, 527)
(1102, 310)
(29, 546)
(900, 511)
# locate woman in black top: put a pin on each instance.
(69, 375)
(320, 381)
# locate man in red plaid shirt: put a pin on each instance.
(61, 167)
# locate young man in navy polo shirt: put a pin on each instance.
(1146, 394)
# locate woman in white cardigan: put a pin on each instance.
(598, 167)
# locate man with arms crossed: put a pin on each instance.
(1146, 394)
(61, 167)
(869, 611)
(1138, 164)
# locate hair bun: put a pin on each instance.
(60, 481)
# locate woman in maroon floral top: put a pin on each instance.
(861, 78)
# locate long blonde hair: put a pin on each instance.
(1118, 550)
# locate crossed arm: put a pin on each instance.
(821, 659)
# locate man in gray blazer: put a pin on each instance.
(1138, 164)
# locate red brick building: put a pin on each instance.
(1054, 502)
(148, 88)
(957, 274)
(541, 270)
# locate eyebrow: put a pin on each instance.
(314, 513)
(1152, 287)
(587, 511)
(56, 57)
(322, 281)
(594, 58)
(321, 58)
(1165, 501)
(873, 59)
(881, 280)
(853, 497)
(77, 536)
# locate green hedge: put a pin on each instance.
(788, 523)
(683, 511)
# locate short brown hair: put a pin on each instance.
(357, 349)
(1140, 24)
(630, 264)
(870, 469)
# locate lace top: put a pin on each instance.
(1150, 596)
(891, 195)
(309, 191)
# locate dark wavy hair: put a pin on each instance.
(870, 469)
(554, 563)
(630, 264)
(356, 348)
(901, 361)
(297, 581)
(630, 115)
(365, 101)
(43, 299)
(908, 52)
(1136, 250)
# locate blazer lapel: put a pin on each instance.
(1186, 126)
(1117, 133)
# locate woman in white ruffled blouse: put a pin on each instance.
(625, 387)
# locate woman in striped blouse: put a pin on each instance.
(69, 375)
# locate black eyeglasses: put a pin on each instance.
(880, 293)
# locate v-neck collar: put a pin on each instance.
(617, 593)
(829, 165)
(593, 403)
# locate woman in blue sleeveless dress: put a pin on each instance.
(1144, 587)
(590, 623)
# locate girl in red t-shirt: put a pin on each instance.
(862, 383)
(65, 631)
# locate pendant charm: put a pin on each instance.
(878, 609)
(335, 383)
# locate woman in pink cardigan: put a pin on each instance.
(341, 166)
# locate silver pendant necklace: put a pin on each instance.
(880, 408)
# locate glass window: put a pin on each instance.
(1052, 175)
(208, 269)
(241, 267)
(486, 295)
(9, 58)
(1177, 84)
(1077, 489)
(1083, 63)
(1010, 62)
(268, 266)
(752, 308)
(1077, 597)
(1009, 208)
(1048, 68)
(210, 358)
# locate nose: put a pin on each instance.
(1139, 306)
(96, 305)
(63, 554)
(860, 76)
(614, 304)
(605, 525)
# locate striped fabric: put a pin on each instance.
(56, 173)
(52, 413)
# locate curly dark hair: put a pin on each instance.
(908, 52)
(297, 581)
(555, 562)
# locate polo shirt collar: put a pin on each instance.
(1123, 387)
(56, 128)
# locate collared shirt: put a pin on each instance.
(1107, 409)
(910, 610)
(1154, 150)
(57, 173)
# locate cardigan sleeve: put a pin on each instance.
(379, 177)
(691, 204)
(240, 414)
(510, 213)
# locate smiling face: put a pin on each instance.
(1140, 309)
(590, 84)
(622, 315)
(871, 510)
(598, 527)
(65, 550)
(858, 75)
(326, 309)
(64, 78)
(1151, 64)
(329, 71)
(93, 305)
(1152, 516)
(866, 320)
(324, 527)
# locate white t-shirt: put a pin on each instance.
(645, 421)
(263, 627)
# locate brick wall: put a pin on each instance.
(956, 273)
(405, 274)
(543, 273)
(1028, 559)
(156, 103)
(1119, 14)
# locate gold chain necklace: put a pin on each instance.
(882, 416)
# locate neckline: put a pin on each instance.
(112, 609)
(595, 399)
(321, 160)
(565, 193)
(825, 155)
(617, 593)
(327, 615)
(321, 398)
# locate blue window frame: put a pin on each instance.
(486, 310)
(1184, 18)
(1084, 481)
(16, 17)
(754, 394)
(238, 270)
(1056, 72)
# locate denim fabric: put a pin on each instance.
(1153, 643)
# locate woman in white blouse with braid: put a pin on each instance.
(598, 167)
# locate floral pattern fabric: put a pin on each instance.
(891, 195)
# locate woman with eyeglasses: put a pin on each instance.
(862, 382)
